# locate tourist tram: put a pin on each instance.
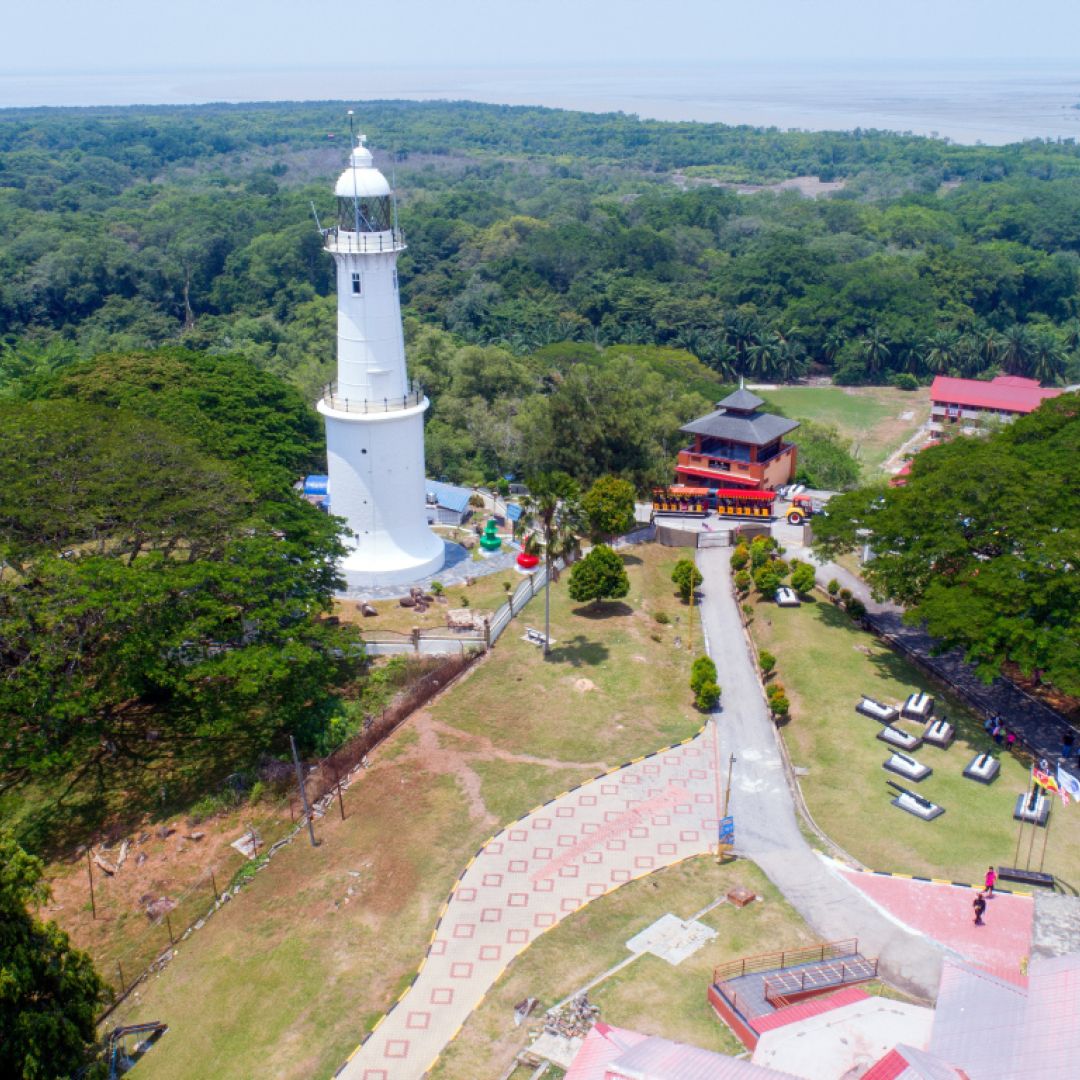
(727, 502)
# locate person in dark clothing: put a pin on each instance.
(1068, 741)
(979, 904)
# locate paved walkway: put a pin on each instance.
(646, 815)
(944, 913)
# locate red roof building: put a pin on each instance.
(971, 402)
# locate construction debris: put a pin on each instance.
(523, 1009)
(105, 865)
(574, 1020)
(160, 907)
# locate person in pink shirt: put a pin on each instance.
(991, 878)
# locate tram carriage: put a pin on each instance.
(726, 502)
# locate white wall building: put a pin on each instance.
(374, 415)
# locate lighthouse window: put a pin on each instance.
(395, 279)
(356, 285)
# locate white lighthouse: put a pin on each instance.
(374, 415)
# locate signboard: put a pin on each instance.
(727, 830)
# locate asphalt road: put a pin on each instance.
(764, 809)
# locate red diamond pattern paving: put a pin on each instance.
(593, 839)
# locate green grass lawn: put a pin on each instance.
(826, 664)
(286, 979)
(869, 416)
(650, 995)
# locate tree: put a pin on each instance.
(609, 508)
(702, 670)
(553, 510)
(687, 577)
(769, 577)
(707, 696)
(766, 661)
(740, 557)
(988, 569)
(803, 578)
(599, 576)
(50, 994)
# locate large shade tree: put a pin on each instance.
(50, 993)
(983, 544)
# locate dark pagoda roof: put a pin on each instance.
(737, 420)
(741, 401)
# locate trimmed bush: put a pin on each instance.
(707, 696)
(802, 579)
(662, 617)
(856, 608)
(767, 662)
(743, 581)
(703, 671)
(740, 557)
(833, 588)
(687, 577)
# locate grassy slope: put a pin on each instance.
(867, 415)
(290, 974)
(650, 995)
(826, 663)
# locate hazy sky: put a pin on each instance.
(147, 35)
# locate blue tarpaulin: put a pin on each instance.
(316, 485)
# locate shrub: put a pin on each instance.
(702, 671)
(740, 557)
(437, 588)
(833, 587)
(856, 608)
(662, 617)
(748, 611)
(904, 380)
(761, 548)
(766, 661)
(743, 581)
(779, 706)
(476, 499)
(802, 578)
(707, 696)
(464, 600)
(845, 596)
(687, 577)
(508, 585)
(655, 636)
(502, 486)
(769, 577)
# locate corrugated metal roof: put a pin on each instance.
(792, 1014)
(909, 1063)
(1003, 393)
(448, 495)
(1050, 1042)
(661, 1059)
(602, 1046)
(977, 1020)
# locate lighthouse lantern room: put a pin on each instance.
(374, 416)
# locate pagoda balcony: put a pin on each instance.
(410, 400)
(340, 241)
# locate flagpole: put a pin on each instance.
(1046, 836)
(1034, 830)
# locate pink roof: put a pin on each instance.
(611, 1053)
(887, 1068)
(601, 1047)
(1008, 392)
(909, 1063)
(792, 1014)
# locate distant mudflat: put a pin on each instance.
(966, 101)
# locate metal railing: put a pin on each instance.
(363, 243)
(409, 400)
(832, 950)
(781, 989)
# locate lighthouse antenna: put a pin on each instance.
(318, 224)
(355, 195)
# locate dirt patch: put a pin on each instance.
(583, 686)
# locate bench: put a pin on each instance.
(535, 636)
(1025, 877)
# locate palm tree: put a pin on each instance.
(552, 508)
(1016, 349)
(875, 350)
(834, 341)
(1048, 359)
(939, 354)
(989, 350)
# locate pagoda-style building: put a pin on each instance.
(737, 445)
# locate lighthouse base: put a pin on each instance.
(361, 572)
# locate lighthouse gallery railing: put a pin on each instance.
(409, 400)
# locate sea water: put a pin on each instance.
(966, 101)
